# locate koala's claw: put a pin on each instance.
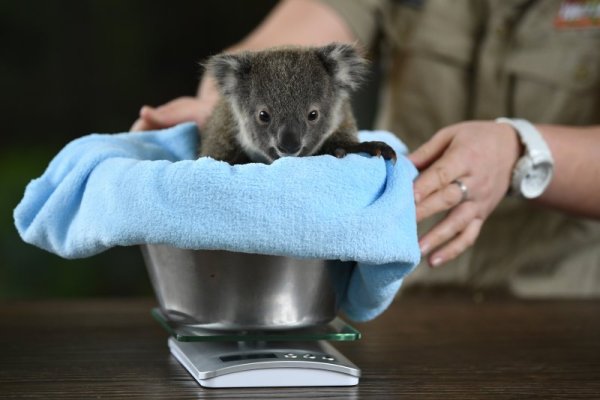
(340, 152)
(377, 149)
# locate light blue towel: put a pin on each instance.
(126, 189)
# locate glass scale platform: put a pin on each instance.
(337, 331)
(290, 358)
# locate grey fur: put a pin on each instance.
(287, 83)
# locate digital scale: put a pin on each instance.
(299, 357)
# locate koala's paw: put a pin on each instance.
(372, 148)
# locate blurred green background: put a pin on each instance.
(69, 68)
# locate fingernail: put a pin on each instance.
(424, 248)
(436, 262)
(417, 197)
(148, 108)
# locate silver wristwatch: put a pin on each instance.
(533, 171)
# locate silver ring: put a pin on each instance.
(463, 189)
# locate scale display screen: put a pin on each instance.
(252, 356)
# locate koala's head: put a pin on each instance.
(287, 101)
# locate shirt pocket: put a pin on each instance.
(437, 73)
(558, 82)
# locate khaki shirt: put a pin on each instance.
(450, 61)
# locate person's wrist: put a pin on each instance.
(514, 149)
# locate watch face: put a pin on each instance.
(536, 180)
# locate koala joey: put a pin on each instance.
(290, 101)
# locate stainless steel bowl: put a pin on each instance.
(223, 290)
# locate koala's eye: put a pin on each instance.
(313, 115)
(264, 116)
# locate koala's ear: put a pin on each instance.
(344, 64)
(229, 70)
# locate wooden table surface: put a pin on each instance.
(438, 348)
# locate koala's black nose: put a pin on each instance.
(289, 143)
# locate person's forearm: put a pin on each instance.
(297, 22)
(575, 186)
(291, 22)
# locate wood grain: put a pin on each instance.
(450, 348)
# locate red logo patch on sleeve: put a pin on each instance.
(578, 14)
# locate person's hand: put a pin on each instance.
(181, 109)
(481, 155)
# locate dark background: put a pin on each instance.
(69, 68)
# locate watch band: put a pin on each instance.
(535, 146)
(533, 171)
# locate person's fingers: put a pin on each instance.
(444, 199)
(154, 117)
(458, 245)
(141, 124)
(431, 150)
(454, 223)
(180, 110)
(440, 174)
(148, 120)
